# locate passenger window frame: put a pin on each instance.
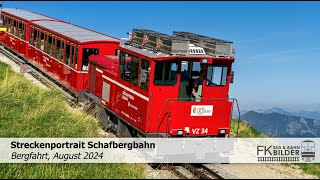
(123, 65)
(163, 74)
(221, 76)
(148, 75)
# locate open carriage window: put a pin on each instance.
(166, 73)
(58, 50)
(15, 28)
(50, 46)
(129, 68)
(217, 75)
(67, 58)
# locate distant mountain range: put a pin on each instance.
(315, 114)
(306, 114)
(273, 124)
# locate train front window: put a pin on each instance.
(166, 73)
(191, 81)
(217, 75)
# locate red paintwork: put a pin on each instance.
(74, 79)
(155, 104)
(148, 110)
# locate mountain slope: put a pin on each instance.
(279, 125)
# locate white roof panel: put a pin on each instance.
(74, 32)
(25, 14)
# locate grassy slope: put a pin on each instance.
(29, 111)
(246, 130)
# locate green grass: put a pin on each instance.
(30, 111)
(247, 131)
(313, 169)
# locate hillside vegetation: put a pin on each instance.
(30, 111)
(247, 131)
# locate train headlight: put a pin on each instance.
(222, 131)
(180, 132)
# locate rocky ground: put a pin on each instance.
(259, 171)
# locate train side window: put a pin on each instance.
(38, 39)
(58, 49)
(9, 25)
(45, 43)
(72, 57)
(20, 30)
(62, 55)
(31, 36)
(76, 59)
(144, 74)
(217, 75)
(35, 38)
(24, 32)
(42, 41)
(129, 68)
(165, 73)
(50, 46)
(67, 57)
(15, 28)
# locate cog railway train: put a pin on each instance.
(148, 85)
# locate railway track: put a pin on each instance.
(191, 171)
(182, 171)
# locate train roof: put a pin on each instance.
(75, 32)
(164, 56)
(27, 15)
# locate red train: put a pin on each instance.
(148, 85)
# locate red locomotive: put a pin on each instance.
(151, 84)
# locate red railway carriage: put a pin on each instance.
(62, 50)
(17, 22)
(58, 48)
(166, 86)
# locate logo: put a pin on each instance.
(201, 110)
(308, 150)
(287, 153)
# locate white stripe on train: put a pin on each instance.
(126, 88)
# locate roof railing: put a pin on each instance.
(212, 46)
(179, 43)
(158, 42)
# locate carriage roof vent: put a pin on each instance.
(195, 50)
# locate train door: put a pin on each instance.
(191, 81)
(85, 57)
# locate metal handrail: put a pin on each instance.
(214, 99)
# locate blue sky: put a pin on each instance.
(277, 43)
